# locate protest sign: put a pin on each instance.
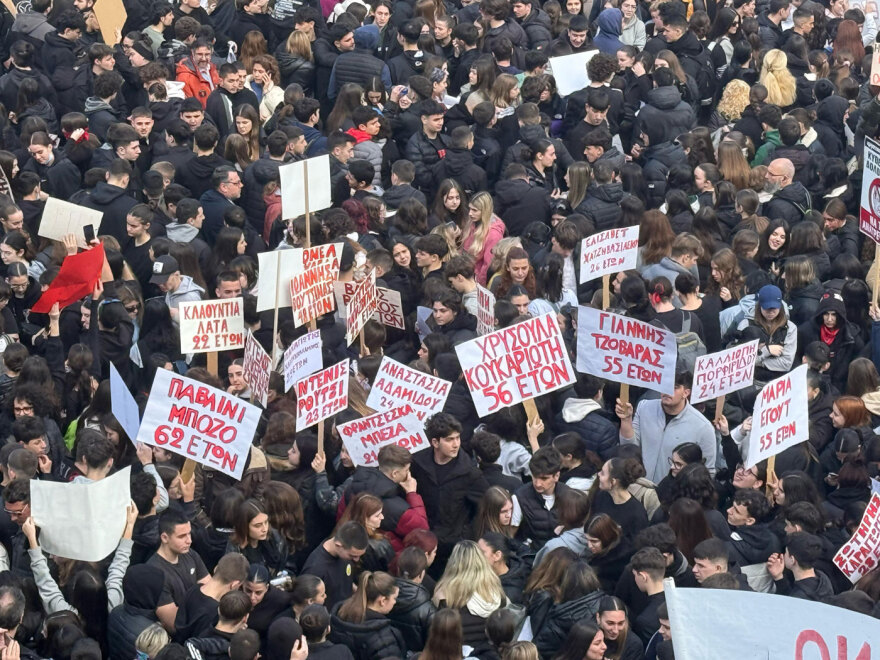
(485, 311)
(199, 422)
(211, 325)
(364, 437)
(61, 218)
(781, 417)
(862, 552)
(89, 524)
(396, 385)
(570, 73)
(311, 285)
(516, 363)
(721, 373)
(875, 486)
(302, 357)
(875, 68)
(723, 623)
(256, 369)
(305, 186)
(321, 395)
(111, 15)
(422, 316)
(625, 350)
(361, 307)
(276, 266)
(609, 252)
(123, 406)
(77, 277)
(869, 213)
(389, 309)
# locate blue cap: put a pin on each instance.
(770, 297)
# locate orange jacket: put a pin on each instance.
(193, 83)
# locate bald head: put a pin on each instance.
(782, 170)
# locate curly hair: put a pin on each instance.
(734, 100)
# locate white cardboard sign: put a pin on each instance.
(293, 186)
(311, 286)
(862, 552)
(570, 73)
(781, 417)
(361, 307)
(211, 325)
(609, 252)
(302, 357)
(256, 369)
(321, 395)
(485, 311)
(123, 406)
(61, 218)
(625, 350)
(397, 385)
(364, 437)
(200, 422)
(721, 373)
(520, 362)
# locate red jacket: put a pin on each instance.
(193, 83)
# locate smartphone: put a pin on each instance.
(404, 91)
(89, 231)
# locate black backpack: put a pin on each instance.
(700, 68)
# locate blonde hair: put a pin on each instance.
(580, 174)
(520, 651)
(448, 235)
(152, 639)
(298, 44)
(482, 201)
(468, 574)
(501, 89)
(734, 100)
(775, 76)
(499, 252)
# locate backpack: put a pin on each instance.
(687, 342)
(703, 72)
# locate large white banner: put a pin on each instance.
(721, 624)
(81, 521)
(200, 422)
(781, 418)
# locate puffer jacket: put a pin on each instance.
(602, 205)
(193, 83)
(804, 301)
(659, 159)
(560, 620)
(538, 29)
(372, 639)
(587, 418)
(790, 204)
(412, 613)
(459, 165)
(845, 347)
(124, 624)
(665, 107)
(367, 149)
(295, 69)
(422, 153)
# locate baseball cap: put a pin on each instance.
(770, 297)
(163, 268)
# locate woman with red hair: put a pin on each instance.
(847, 46)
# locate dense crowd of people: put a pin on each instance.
(732, 134)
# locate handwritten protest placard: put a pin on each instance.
(781, 417)
(625, 350)
(485, 311)
(302, 357)
(256, 369)
(321, 395)
(361, 307)
(364, 437)
(396, 385)
(516, 363)
(758, 626)
(200, 422)
(862, 552)
(311, 286)
(721, 373)
(211, 325)
(389, 308)
(609, 252)
(61, 218)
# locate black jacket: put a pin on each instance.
(845, 348)
(537, 27)
(538, 524)
(450, 497)
(560, 620)
(520, 203)
(60, 179)
(408, 63)
(115, 204)
(412, 613)
(658, 160)
(664, 106)
(459, 165)
(817, 589)
(804, 301)
(60, 59)
(424, 154)
(296, 69)
(10, 83)
(372, 639)
(752, 544)
(595, 426)
(790, 203)
(602, 205)
(462, 328)
(197, 174)
(372, 480)
(124, 624)
(356, 66)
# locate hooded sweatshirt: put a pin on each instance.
(610, 26)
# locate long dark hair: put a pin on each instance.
(444, 636)
(549, 279)
(158, 332)
(578, 641)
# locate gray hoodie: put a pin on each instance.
(32, 24)
(188, 291)
(181, 232)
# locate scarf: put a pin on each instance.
(827, 334)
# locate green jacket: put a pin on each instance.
(771, 141)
